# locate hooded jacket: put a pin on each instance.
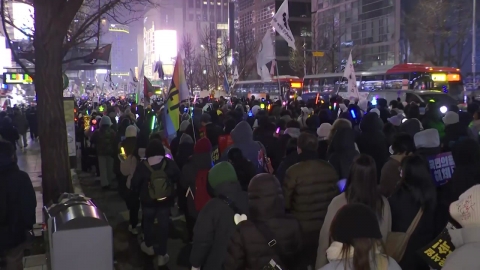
(248, 248)
(310, 185)
(184, 150)
(342, 151)
(242, 136)
(453, 133)
(20, 122)
(200, 160)
(215, 224)
(467, 248)
(372, 140)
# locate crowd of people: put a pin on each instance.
(305, 185)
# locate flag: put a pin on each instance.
(159, 69)
(226, 87)
(139, 84)
(178, 91)
(148, 89)
(280, 23)
(99, 54)
(266, 53)
(265, 74)
(132, 76)
(272, 68)
(349, 73)
(235, 74)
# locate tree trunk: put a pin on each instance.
(48, 43)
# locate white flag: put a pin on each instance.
(272, 68)
(266, 53)
(349, 73)
(139, 91)
(265, 74)
(235, 74)
(280, 23)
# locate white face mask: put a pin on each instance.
(390, 149)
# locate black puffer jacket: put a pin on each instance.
(248, 248)
(342, 151)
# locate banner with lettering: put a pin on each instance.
(438, 250)
(441, 167)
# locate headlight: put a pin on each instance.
(443, 109)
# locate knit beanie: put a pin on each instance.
(451, 118)
(428, 138)
(202, 146)
(466, 210)
(353, 221)
(255, 109)
(221, 173)
(375, 110)
(184, 125)
(106, 121)
(131, 132)
(396, 120)
(324, 130)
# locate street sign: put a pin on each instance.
(318, 54)
(16, 78)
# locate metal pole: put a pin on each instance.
(278, 80)
(474, 45)
(304, 56)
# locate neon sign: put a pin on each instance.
(17, 78)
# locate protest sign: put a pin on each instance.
(438, 250)
(441, 167)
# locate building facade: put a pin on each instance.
(124, 46)
(371, 29)
(254, 19)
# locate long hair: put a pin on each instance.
(417, 180)
(338, 124)
(361, 184)
(364, 251)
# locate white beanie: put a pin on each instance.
(375, 110)
(427, 138)
(255, 109)
(106, 121)
(131, 132)
(324, 130)
(466, 211)
(396, 120)
(451, 118)
(184, 125)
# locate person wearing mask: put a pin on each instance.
(21, 124)
(17, 208)
(403, 145)
(248, 247)
(415, 193)
(357, 241)
(322, 133)
(466, 239)
(128, 163)
(104, 141)
(215, 224)
(361, 187)
(201, 160)
(310, 185)
(243, 167)
(242, 136)
(454, 131)
(372, 141)
(156, 211)
(341, 151)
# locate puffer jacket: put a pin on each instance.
(467, 247)
(342, 151)
(309, 186)
(214, 227)
(248, 248)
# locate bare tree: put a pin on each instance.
(438, 31)
(246, 51)
(59, 26)
(190, 56)
(327, 38)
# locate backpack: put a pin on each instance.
(159, 186)
(201, 194)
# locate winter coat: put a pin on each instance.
(453, 133)
(390, 176)
(20, 202)
(248, 248)
(141, 178)
(340, 265)
(404, 209)
(20, 122)
(242, 136)
(310, 185)
(287, 162)
(215, 226)
(341, 151)
(336, 204)
(213, 132)
(104, 141)
(467, 248)
(184, 150)
(127, 168)
(9, 133)
(372, 140)
(197, 162)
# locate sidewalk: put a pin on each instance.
(127, 253)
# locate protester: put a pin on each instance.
(104, 141)
(322, 133)
(185, 150)
(341, 151)
(21, 124)
(8, 132)
(176, 141)
(243, 167)
(427, 143)
(212, 130)
(454, 131)
(290, 159)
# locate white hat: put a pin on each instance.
(184, 125)
(396, 120)
(131, 132)
(451, 118)
(324, 130)
(375, 110)
(255, 109)
(427, 138)
(466, 210)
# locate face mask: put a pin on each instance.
(390, 150)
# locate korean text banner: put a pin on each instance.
(441, 167)
(438, 250)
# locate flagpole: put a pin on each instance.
(191, 120)
(278, 80)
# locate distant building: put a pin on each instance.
(123, 54)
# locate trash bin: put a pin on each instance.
(78, 235)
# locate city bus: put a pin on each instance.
(288, 86)
(397, 77)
